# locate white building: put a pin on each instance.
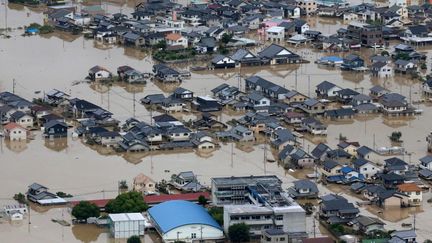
(125, 225)
(15, 132)
(290, 219)
(260, 202)
(275, 34)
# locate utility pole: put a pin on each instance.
(296, 79)
(314, 229)
(265, 156)
(6, 18)
(134, 105)
(308, 85)
(108, 97)
(414, 223)
(13, 86)
(232, 155)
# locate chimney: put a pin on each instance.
(174, 15)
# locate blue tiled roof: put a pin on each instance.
(173, 214)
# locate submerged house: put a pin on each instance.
(276, 54)
(221, 61)
(55, 128)
(99, 73)
(244, 57)
(166, 74)
(303, 189)
(352, 62)
(39, 194)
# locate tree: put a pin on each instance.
(134, 239)
(403, 56)
(395, 136)
(129, 202)
(162, 187)
(19, 197)
(202, 200)
(385, 53)
(161, 45)
(123, 185)
(217, 214)
(239, 233)
(84, 210)
(226, 38)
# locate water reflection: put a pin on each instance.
(16, 146)
(87, 233)
(56, 144)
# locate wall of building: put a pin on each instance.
(187, 232)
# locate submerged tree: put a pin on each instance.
(395, 136)
(134, 239)
(84, 210)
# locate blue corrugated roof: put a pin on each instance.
(173, 214)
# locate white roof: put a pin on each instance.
(126, 217)
(276, 29)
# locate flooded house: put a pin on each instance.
(426, 162)
(295, 157)
(206, 45)
(276, 54)
(23, 119)
(238, 133)
(267, 88)
(130, 75)
(367, 168)
(221, 61)
(244, 58)
(337, 114)
(352, 62)
(225, 93)
(381, 69)
(55, 129)
(15, 132)
(330, 168)
(427, 87)
(282, 137)
(56, 97)
(303, 189)
(166, 74)
(368, 224)
(172, 104)
(186, 181)
(414, 193)
(203, 141)
(39, 194)
(207, 122)
(320, 151)
(183, 94)
(98, 73)
(336, 209)
(144, 184)
(313, 107)
(327, 89)
(206, 104)
(365, 34)
(293, 118)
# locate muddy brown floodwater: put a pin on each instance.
(41, 63)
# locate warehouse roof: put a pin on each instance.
(173, 214)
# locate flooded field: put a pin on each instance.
(41, 63)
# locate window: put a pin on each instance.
(279, 217)
(193, 235)
(282, 239)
